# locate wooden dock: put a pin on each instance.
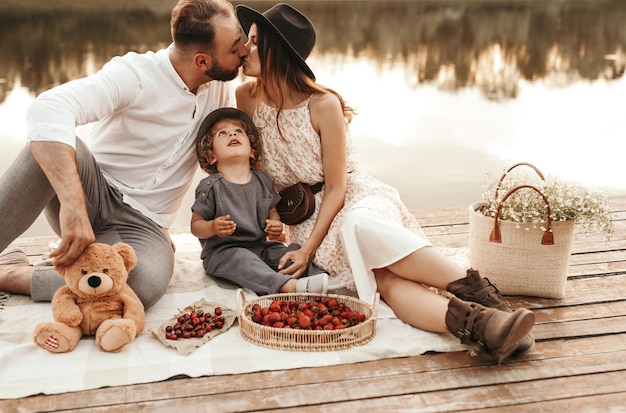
(577, 365)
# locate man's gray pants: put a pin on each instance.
(25, 192)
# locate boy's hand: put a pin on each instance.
(223, 226)
(274, 229)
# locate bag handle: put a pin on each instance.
(513, 167)
(548, 237)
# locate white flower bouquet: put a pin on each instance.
(525, 248)
(590, 209)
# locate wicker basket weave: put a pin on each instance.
(521, 258)
(306, 340)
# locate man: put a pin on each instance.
(129, 184)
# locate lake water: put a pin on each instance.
(446, 91)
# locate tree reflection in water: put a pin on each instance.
(454, 44)
(444, 89)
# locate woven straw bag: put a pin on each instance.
(521, 258)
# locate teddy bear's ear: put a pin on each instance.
(61, 270)
(128, 255)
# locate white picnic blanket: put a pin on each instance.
(26, 369)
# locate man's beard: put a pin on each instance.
(218, 72)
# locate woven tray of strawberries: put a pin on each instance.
(306, 321)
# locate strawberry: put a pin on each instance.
(273, 317)
(322, 309)
(326, 319)
(275, 306)
(316, 314)
(304, 321)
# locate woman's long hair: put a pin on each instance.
(280, 71)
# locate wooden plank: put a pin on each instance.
(610, 256)
(464, 389)
(390, 369)
(603, 403)
(579, 328)
(581, 312)
(579, 291)
(597, 269)
(572, 394)
(576, 346)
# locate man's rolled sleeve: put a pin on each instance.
(47, 122)
(54, 115)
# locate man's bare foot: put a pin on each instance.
(15, 272)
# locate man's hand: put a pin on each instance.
(76, 235)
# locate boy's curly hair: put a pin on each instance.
(204, 147)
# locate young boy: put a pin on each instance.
(234, 214)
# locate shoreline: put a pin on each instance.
(41, 229)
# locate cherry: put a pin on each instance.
(194, 324)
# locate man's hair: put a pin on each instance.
(192, 22)
(206, 146)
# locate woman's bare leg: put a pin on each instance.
(428, 266)
(411, 302)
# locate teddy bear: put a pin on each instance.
(96, 301)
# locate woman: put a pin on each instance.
(360, 233)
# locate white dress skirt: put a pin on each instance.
(373, 229)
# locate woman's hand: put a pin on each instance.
(294, 263)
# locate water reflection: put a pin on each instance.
(455, 44)
(444, 89)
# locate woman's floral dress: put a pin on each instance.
(370, 231)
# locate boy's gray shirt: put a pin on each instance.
(247, 204)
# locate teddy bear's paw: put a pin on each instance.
(113, 335)
(53, 343)
(56, 337)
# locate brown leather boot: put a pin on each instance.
(488, 330)
(480, 290)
